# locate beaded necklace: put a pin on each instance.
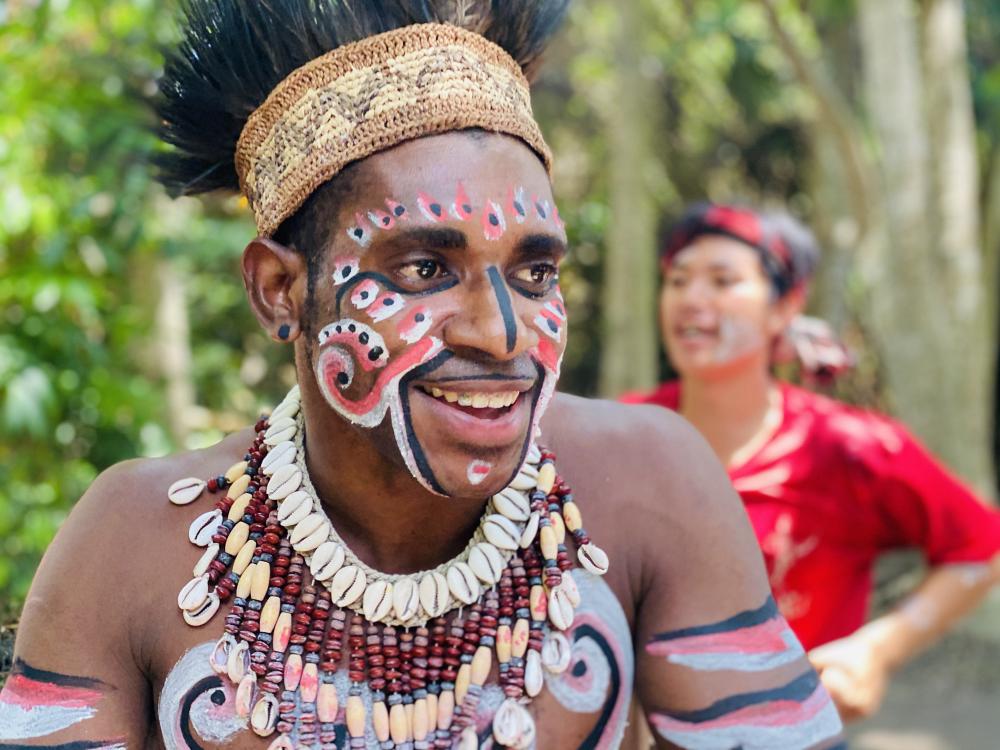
(424, 644)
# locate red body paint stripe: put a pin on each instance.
(773, 714)
(759, 639)
(411, 358)
(28, 693)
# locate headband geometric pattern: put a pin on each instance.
(369, 96)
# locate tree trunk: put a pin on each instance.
(630, 345)
(173, 350)
(924, 282)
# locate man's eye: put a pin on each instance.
(423, 270)
(537, 274)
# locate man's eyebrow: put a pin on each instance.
(433, 238)
(542, 244)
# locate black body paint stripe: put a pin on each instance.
(389, 285)
(797, 690)
(198, 689)
(411, 437)
(767, 611)
(588, 631)
(24, 669)
(506, 308)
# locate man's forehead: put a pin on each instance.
(482, 161)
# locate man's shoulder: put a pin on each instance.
(645, 477)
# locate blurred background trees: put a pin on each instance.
(123, 329)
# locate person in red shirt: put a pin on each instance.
(828, 487)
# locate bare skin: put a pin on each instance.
(729, 395)
(683, 555)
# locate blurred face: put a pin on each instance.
(717, 312)
(441, 327)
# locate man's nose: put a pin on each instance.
(487, 319)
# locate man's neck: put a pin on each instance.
(388, 520)
(736, 414)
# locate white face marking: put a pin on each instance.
(478, 471)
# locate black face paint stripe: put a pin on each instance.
(506, 308)
(419, 458)
(797, 690)
(24, 669)
(389, 285)
(767, 611)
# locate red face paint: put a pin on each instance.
(367, 346)
(398, 210)
(415, 324)
(385, 306)
(461, 208)
(494, 224)
(381, 219)
(516, 205)
(345, 268)
(431, 209)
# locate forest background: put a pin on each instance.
(123, 326)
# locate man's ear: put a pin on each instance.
(275, 277)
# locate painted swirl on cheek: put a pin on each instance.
(601, 672)
(363, 342)
(196, 705)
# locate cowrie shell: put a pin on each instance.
(284, 482)
(280, 455)
(185, 491)
(530, 530)
(534, 455)
(434, 594)
(238, 663)
(501, 531)
(533, 677)
(203, 528)
(312, 541)
(280, 430)
(523, 481)
(486, 562)
(568, 585)
(326, 560)
(204, 613)
(193, 594)
(347, 585)
(307, 526)
(219, 658)
(284, 410)
(556, 652)
(201, 567)
(560, 610)
(512, 725)
(462, 583)
(245, 694)
(294, 508)
(377, 601)
(512, 504)
(405, 599)
(593, 559)
(264, 715)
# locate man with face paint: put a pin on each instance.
(390, 559)
(827, 487)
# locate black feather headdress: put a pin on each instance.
(233, 53)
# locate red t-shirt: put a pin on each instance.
(834, 487)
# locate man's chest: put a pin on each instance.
(584, 701)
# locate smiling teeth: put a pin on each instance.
(475, 400)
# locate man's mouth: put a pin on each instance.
(474, 400)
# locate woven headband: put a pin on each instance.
(368, 96)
